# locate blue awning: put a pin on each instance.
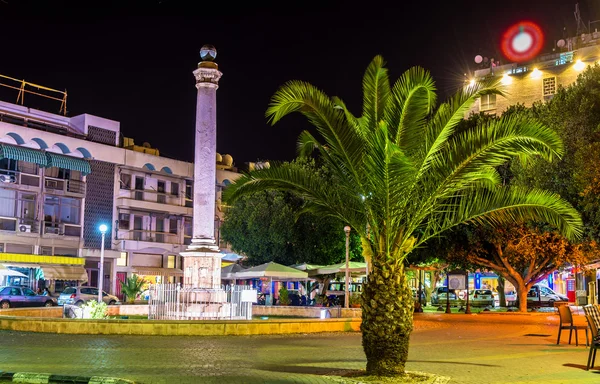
(68, 162)
(22, 153)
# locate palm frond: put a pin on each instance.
(376, 91)
(413, 98)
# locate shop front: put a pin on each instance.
(39, 271)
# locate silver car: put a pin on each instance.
(81, 295)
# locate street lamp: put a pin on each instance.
(347, 284)
(103, 228)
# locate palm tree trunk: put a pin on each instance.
(387, 319)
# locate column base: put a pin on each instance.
(202, 265)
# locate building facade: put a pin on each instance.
(538, 80)
(61, 177)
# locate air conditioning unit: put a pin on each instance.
(8, 178)
(24, 228)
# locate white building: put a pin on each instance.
(61, 177)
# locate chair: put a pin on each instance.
(566, 322)
(592, 315)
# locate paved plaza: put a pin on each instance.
(487, 348)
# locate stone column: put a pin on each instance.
(202, 260)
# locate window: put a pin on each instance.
(171, 261)
(46, 251)
(27, 167)
(487, 102)
(187, 230)
(28, 292)
(62, 210)
(161, 189)
(19, 248)
(59, 251)
(174, 188)
(173, 226)
(124, 220)
(125, 181)
(549, 86)
(8, 165)
(161, 186)
(86, 291)
(189, 193)
(122, 260)
(7, 202)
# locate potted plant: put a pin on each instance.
(321, 301)
(354, 300)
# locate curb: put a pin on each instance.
(48, 378)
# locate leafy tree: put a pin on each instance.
(268, 225)
(284, 296)
(402, 176)
(521, 253)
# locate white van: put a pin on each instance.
(545, 295)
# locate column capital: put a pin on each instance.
(207, 76)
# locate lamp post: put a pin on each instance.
(103, 228)
(347, 282)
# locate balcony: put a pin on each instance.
(21, 226)
(61, 229)
(65, 185)
(149, 200)
(149, 236)
(8, 177)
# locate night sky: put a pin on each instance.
(132, 61)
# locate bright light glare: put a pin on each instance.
(579, 65)
(506, 79)
(103, 228)
(536, 73)
(472, 82)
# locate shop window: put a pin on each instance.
(171, 261)
(122, 260)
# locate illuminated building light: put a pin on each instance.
(579, 65)
(506, 79)
(536, 73)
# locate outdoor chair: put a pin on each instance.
(566, 322)
(592, 315)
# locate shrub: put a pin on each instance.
(284, 296)
(95, 310)
(354, 299)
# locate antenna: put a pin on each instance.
(581, 28)
(478, 59)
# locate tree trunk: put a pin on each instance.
(522, 291)
(501, 296)
(387, 319)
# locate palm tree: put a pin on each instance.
(131, 287)
(404, 175)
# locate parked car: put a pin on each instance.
(415, 293)
(481, 298)
(81, 295)
(13, 296)
(438, 296)
(541, 295)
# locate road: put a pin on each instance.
(489, 348)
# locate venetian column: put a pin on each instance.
(202, 260)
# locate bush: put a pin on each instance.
(284, 296)
(354, 299)
(95, 310)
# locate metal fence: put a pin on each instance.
(173, 302)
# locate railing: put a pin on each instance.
(152, 196)
(150, 236)
(15, 177)
(172, 302)
(62, 229)
(65, 185)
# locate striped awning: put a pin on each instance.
(22, 153)
(65, 272)
(68, 162)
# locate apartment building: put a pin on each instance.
(61, 177)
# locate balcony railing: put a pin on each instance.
(150, 236)
(65, 185)
(63, 229)
(151, 196)
(19, 225)
(14, 177)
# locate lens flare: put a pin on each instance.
(522, 41)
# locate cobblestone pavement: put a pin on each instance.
(490, 348)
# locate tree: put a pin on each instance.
(521, 253)
(402, 176)
(131, 287)
(268, 226)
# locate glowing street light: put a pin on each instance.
(103, 228)
(579, 65)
